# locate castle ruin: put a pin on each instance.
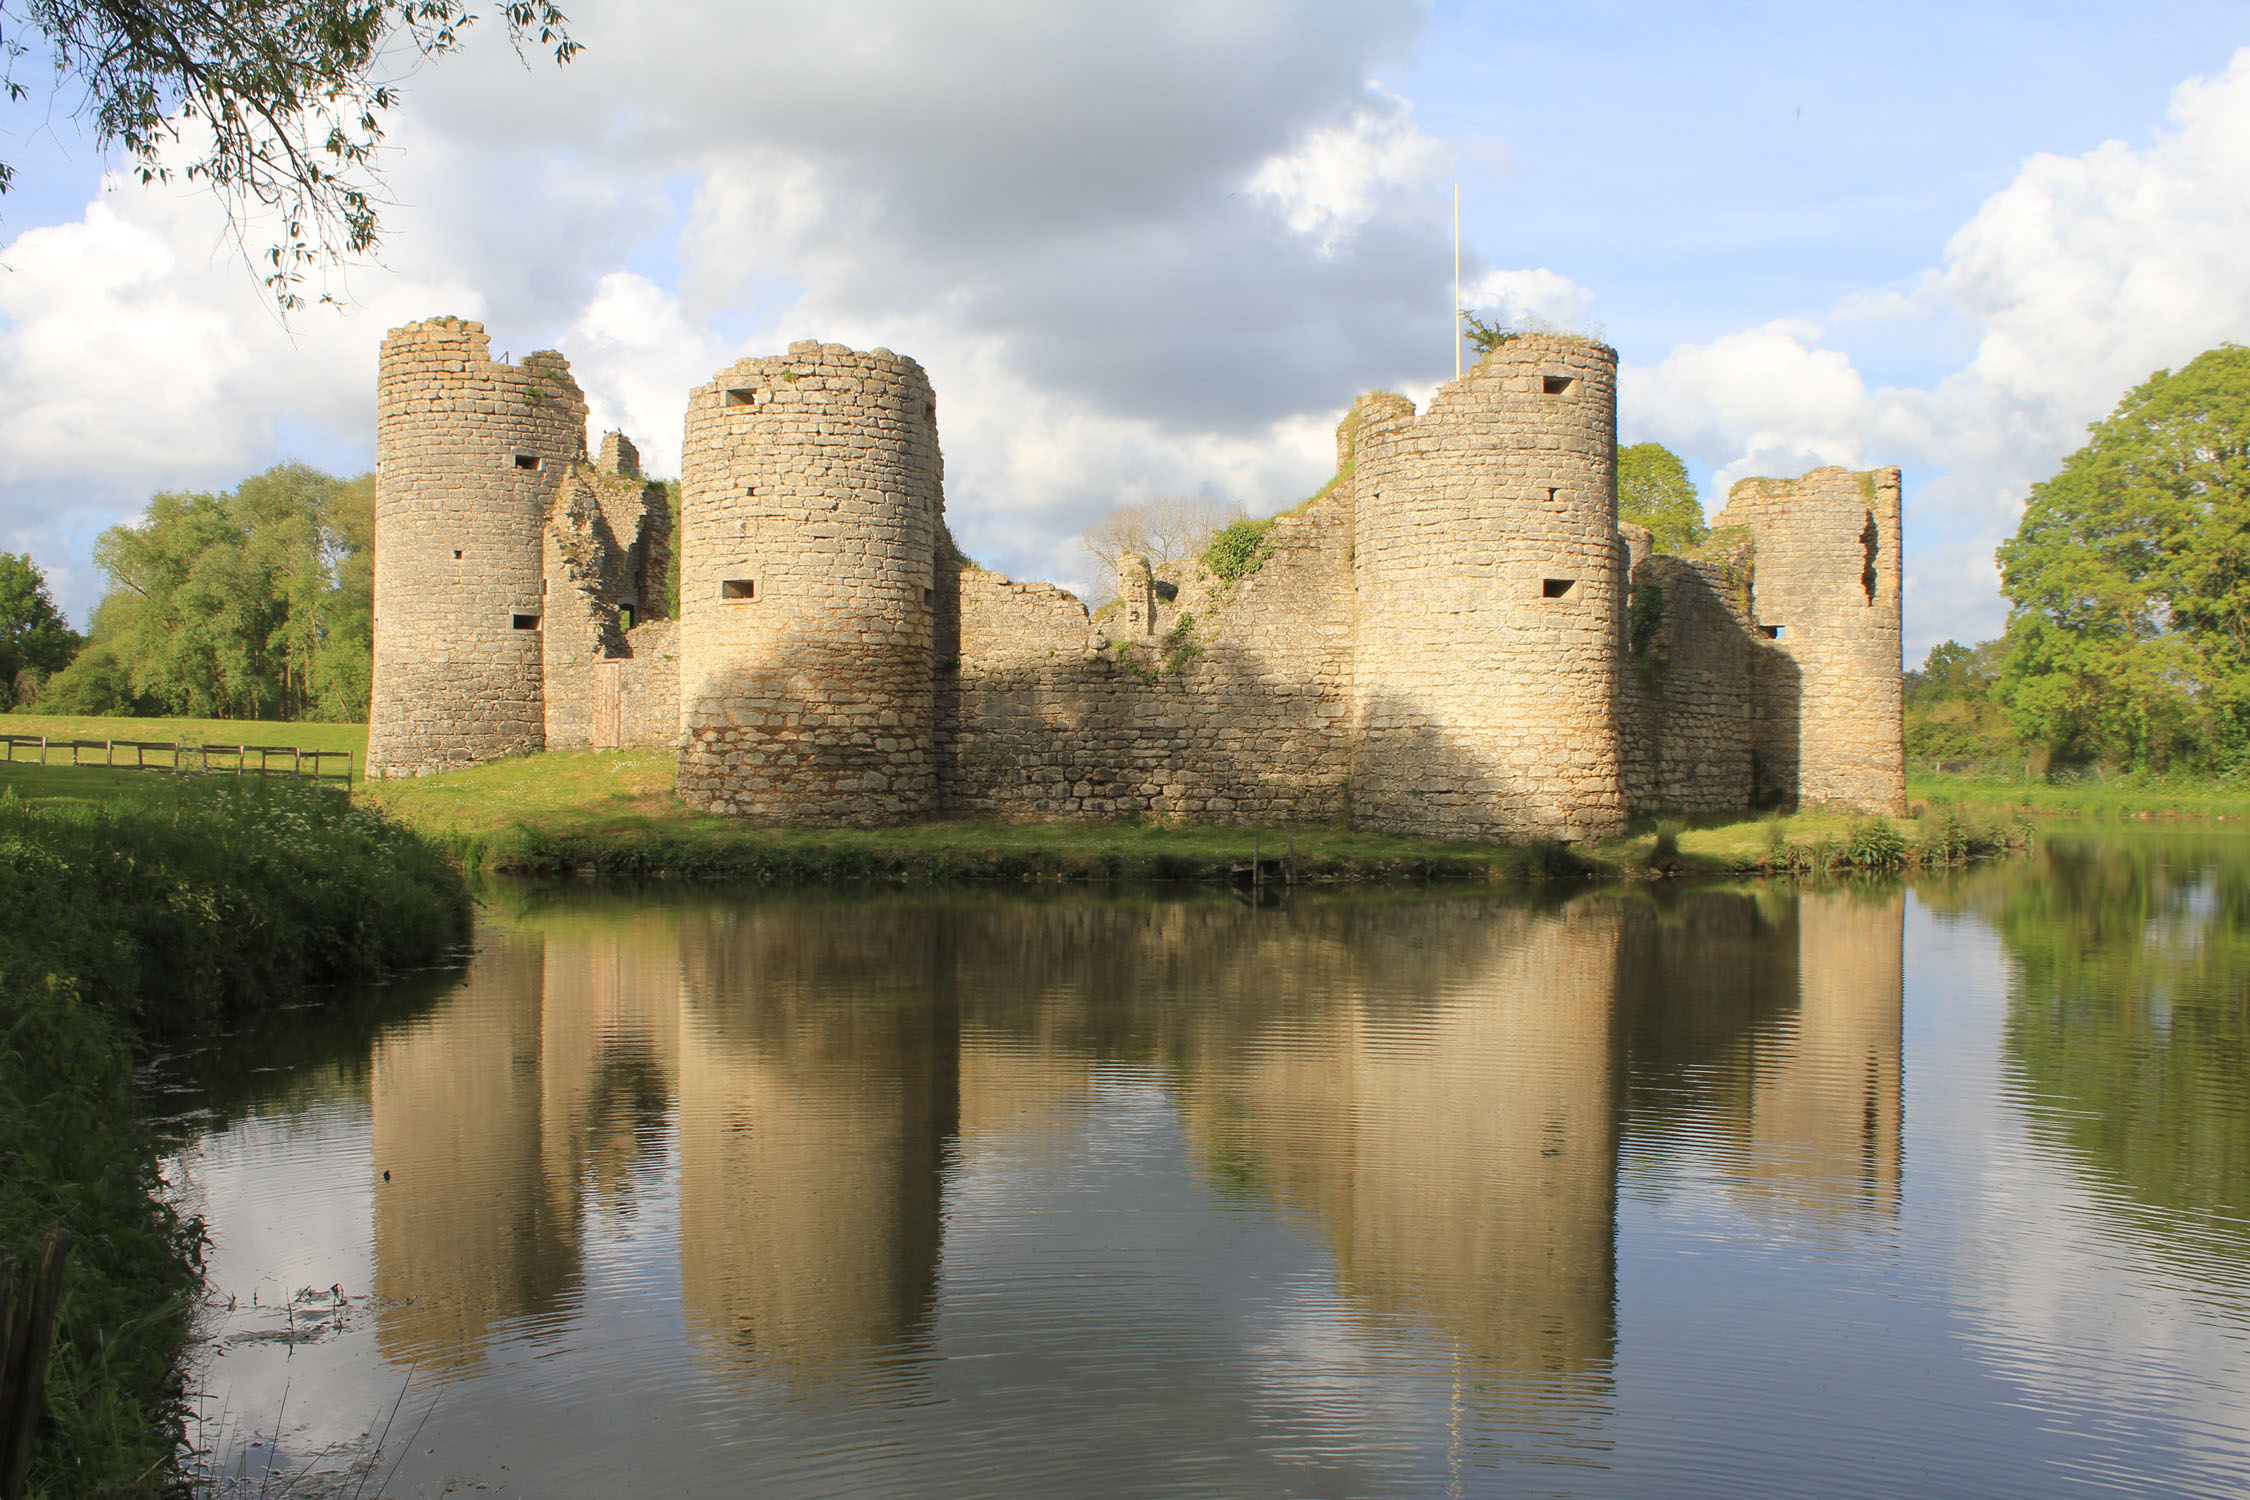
(1455, 638)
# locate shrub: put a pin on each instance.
(1239, 550)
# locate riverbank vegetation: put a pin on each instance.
(139, 920)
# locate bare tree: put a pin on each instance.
(1169, 531)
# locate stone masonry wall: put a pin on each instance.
(812, 496)
(1685, 696)
(469, 455)
(1490, 602)
(608, 543)
(1828, 714)
(1231, 708)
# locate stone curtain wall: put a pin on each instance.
(1232, 707)
(469, 456)
(608, 544)
(1828, 711)
(812, 496)
(1685, 698)
(1490, 601)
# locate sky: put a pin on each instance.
(1156, 249)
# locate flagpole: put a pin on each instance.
(1455, 320)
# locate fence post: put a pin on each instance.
(23, 1383)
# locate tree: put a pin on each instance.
(1950, 711)
(2129, 576)
(1654, 490)
(258, 603)
(35, 641)
(278, 102)
(1170, 531)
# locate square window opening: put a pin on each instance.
(527, 460)
(746, 395)
(738, 588)
(1772, 632)
(525, 622)
(1558, 385)
(1557, 588)
(457, 554)
(929, 596)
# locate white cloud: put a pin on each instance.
(1540, 296)
(636, 356)
(2077, 280)
(1336, 177)
(1050, 207)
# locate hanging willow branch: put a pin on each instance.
(281, 98)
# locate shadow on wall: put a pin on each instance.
(1412, 777)
(1777, 726)
(1194, 724)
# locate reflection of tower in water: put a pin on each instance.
(1449, 1116)
(1770, 1024)
(818, 1094)
(551, 1062)
(1826, 1095)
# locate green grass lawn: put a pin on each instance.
(2181, 798)
(304, 734)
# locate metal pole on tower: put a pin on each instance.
(1455, 320)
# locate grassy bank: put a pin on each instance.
(151, 917)
(2139, 798)
(1814, 842)
(613, 812)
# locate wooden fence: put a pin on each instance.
(166, 755)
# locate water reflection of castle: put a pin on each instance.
(1440, 1087)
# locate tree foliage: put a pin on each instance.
(1950, 711)
(277, 104)
(2129, 577)
(35, 640)
(1170, 531)
(1654, 490)
(258, 603)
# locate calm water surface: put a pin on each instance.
(1942, 1189)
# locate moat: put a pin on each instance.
(1939, 1187)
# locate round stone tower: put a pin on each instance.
(1490, 615)
(468, 456)
(812, 493)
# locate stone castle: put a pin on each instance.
(1455, 638)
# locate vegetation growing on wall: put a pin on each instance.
(1644, 618)
(1239, 550)
(1735, 550)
